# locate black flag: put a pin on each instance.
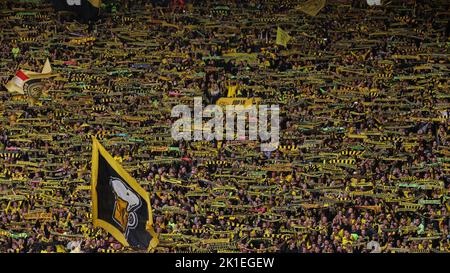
(119, 204)
(86, 9)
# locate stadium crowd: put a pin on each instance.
(363, 161)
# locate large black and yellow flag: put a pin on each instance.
(119, 204)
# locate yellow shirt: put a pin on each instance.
(232, 89)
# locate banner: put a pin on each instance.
(119, 204)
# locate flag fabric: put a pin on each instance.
(119, 204)
(312, 7)
(282, 37)
(95, 3)
(86, 9)
(373, 2)
(30, 83)
(16, 83)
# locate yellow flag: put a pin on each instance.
(312, 7)
(282, 37)
(232, 90)
(119, 203)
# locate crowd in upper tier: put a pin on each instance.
(363, 162)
